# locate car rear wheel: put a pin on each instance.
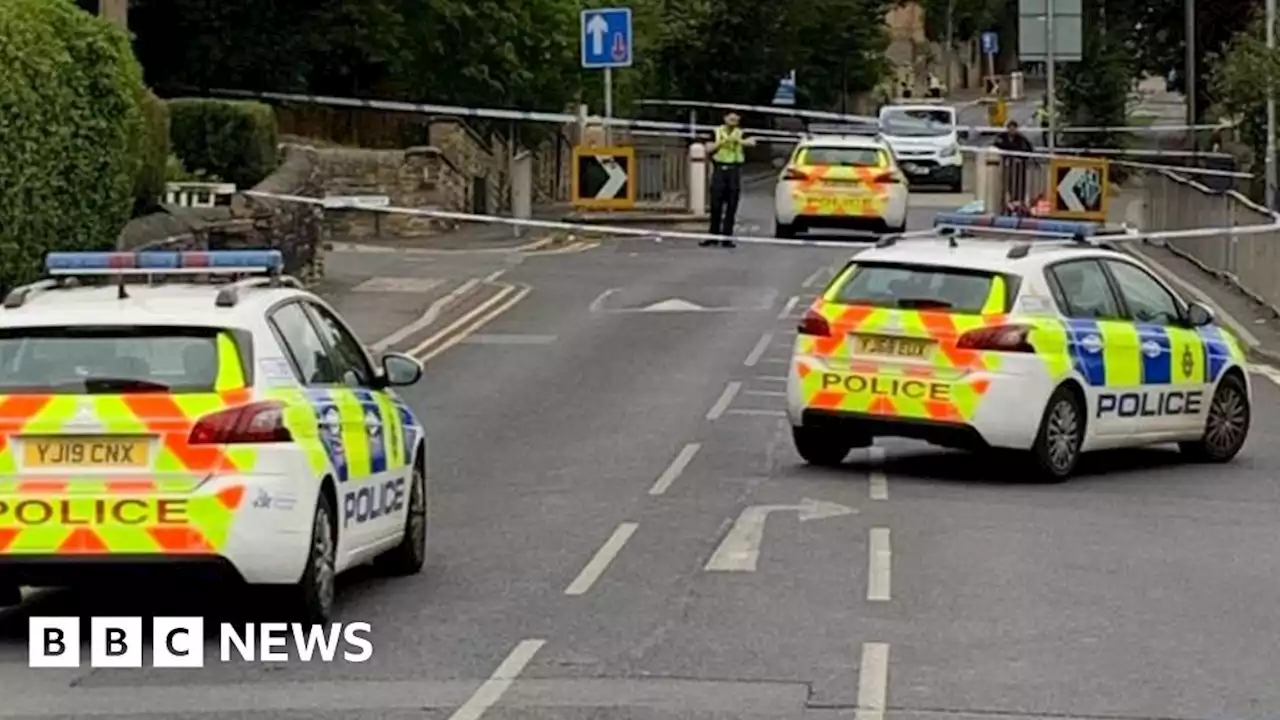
(311, 599)
(1227, 426)
(822, 446)
(410, 555)
(1057, 447)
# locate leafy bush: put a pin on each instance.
(233, 140)
(152, 170)
(70, 133)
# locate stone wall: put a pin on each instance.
(298, 230)
(420, 177)
(479, 159)
(483, 165)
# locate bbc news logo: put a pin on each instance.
(179, 642)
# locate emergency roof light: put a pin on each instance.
(859, 129)
(1016, 225)
(155, 262)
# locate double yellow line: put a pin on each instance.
(477, 317)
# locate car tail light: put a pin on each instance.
(1001, 338)
(889, 177)
(794, 174)
(814, 324)
(261, 422)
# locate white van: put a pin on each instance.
(926, 140)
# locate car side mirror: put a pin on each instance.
(1199, 315)
(400, 370)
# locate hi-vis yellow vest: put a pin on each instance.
(731, 150)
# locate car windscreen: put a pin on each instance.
(108, 359)
(843, 157)
(920, 287)
(917, 123)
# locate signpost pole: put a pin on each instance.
(1271, 111)
(1052, 79)
(608, 106)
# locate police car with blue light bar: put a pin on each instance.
(1014, 334)
(200, 412)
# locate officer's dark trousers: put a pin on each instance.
(726, 186)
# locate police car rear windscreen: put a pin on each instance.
(920, 287)
(109, 359)
(843, 157)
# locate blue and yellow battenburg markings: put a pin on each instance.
(1101, 351)
(374, 433)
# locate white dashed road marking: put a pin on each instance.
(879, 481)
(677, 466)
(725, 400)
(499, 682)
(758, 350)
(879, 569)
(791, 305)
(873, 681)
(598, 564)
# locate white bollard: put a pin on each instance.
(981, 176)
(698, 178)
(521, 189)
(1015, 85)
(989, 181)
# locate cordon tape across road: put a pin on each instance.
(676, 129)
(1130, 234)
(682, 128)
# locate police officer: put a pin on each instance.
(727, 157)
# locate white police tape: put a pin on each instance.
(824, 115)
(1181, 169)
(1129, 234)
(565, 118)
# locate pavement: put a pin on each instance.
(602, 472)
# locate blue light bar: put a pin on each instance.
(1068, 228)
(152, 261)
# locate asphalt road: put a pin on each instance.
(589, 459)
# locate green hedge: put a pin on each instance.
(153, 168)
(70, 133)
(232, 140)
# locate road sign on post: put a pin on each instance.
(1033, 30)
(1079, 189)
(786, 93)
(606, 44)
(990, 43)
(604, 177)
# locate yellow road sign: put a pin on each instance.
(1078, 188)
(604, 177)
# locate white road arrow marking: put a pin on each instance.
(673, 305)
(617, 178)
(597, 27)
(740, 549)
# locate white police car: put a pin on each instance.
(217, 418)
(1049, 346)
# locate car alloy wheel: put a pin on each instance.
(1062, 435)
(1228, 420)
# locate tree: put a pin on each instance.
(1240, 78)
(1159, 39)
(969, 18)
(71, 131)
(1095, 91)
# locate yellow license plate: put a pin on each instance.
(892, 346)
(86, 452)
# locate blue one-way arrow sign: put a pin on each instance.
(606, 38)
